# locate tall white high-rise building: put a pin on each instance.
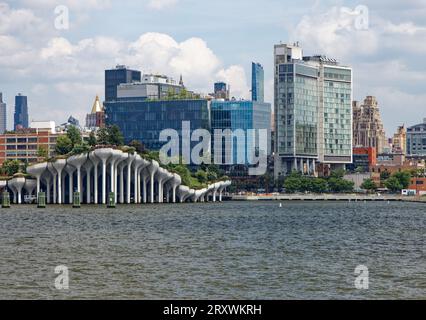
(3, 115)
(313, 112)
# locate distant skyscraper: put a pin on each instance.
(368, 126)
(313, 112)
(21, 112)
(221, 91)
(117, 76)
(96, 119)
(3, 113)
(257, 83)
(399, 140)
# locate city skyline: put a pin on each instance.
(61, 70)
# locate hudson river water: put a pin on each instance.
(231, 250)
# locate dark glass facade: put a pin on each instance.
(21, 112)
(117, 76)
(257, 82)
(143, 120)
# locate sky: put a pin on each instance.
(61, 67)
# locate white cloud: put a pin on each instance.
(161, 4)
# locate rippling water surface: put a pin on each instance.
(232, 250)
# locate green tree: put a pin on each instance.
(293, 184)
(404, 178)
(393, 184)
(340, 185)
(201, 176)
(385, 175)
(74, 135)
(63, 145)
(115, 136)
(138, 145)
(42, 153)
(319, 185)
(81, 148)
(92, 141)
(103, 137)
(10, 167)
(369, 185)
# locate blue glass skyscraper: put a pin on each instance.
(117, 76)
(21, 112)
(257, 82)
(2, 114)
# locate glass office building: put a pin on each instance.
(3, 115)
(117, 76)
(21, 112)
(313, 112)
(240, 115)
(143, 120)
(257, 82)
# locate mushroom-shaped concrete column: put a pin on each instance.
(129, 162)
(103, 155)
(137, 163)
(88, 165)
(54, 174)
(152, 169)
(30, 186)
(47, 178)
(182, 193)
(17, 184)
(145, 176)
(120, 169)
(70, 170)
(223, 186)
(142, 172)
(78, 161)
(59, 166)
(197, 195)
(216, 187)
(162, 176)
(37, 170)
(115, 156)
(95, 162)
(175, 183)
(119, 166)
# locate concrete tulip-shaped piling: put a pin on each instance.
(120, 169)
(115, 156)
(95, 162)
(30, 186)
(88, 167)
(222, 187)
(141, 180)
(129, 162)
(152, 169)
(59, 166)
(145, 175)
(70, 171)
(104, 155)
(183, 193)
(54, 174)
(137, 164)
(16, 185)
(47, 178)
(120, 157)
(37, 171)
(162, 176)
(77, 162)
